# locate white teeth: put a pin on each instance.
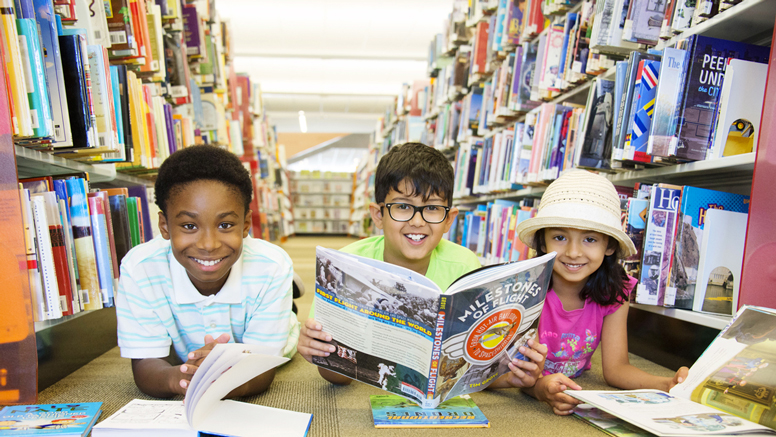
(574, 266)
(208, 263)
(416, 237)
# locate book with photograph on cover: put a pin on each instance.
(394, 329)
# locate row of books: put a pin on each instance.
(75, 239)
(129, 83)
(691, 246)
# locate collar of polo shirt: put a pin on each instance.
(184, 291)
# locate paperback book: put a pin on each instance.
(394, 329)
(62, 420)
(391, 411)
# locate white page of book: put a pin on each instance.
(719, 351)
(401, 272)
(666, 415)
(152, 418)
(239, 419)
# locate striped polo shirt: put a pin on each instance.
(157, 305)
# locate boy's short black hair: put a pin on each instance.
(197, 163)
(425, 167)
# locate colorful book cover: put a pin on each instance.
(37, 92)
(701, 97)
(59, 250)
(101, 249)
(658, 246)
(60, 189)
(637, 212)
(689, 236)
(192, 31)
(683, 12)
(75, 419)
(21, 119)
(392, 411)
(134, 224)
(515, 22)
(52, 62)
(624, 115)
(84, 245)
(119, 18)
(662, 132)
(642, 120)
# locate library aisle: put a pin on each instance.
(301, 249)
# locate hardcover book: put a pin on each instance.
(596, 150)
(66, 420)
(696, 202)
(77, 90)
(644, 21)
(84, 245)
(391, 411)
(701, 97)
(393, 329)
(642, 119)
(37, 92)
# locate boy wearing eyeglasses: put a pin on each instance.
(413, 207)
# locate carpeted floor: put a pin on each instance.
(337, 411)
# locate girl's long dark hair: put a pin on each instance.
(607, 285)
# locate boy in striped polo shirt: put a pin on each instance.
(206, 281)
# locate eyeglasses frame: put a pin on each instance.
(416, 209)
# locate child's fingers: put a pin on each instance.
(188, 369)
(531, 354)
(316, 334)
(313, 325)
(681, 374)
(562, 409)
(562, 398)
(223, 338)
(319, 349)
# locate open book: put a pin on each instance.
(227, 367)
(395, 329)
(731, 389)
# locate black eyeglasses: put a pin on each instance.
(404, 212)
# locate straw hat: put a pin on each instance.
(579, 199)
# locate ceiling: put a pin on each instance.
(340, 61)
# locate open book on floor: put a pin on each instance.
(227, 367)
(730, 390)
(394, 329)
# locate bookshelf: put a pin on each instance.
(751, 21)
(322, 204)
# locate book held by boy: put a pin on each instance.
(391, 411)
(730, 390)
(394, 329)
(227, 367)
(62, 420)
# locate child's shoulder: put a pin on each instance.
(370, 247)
(157, 249)
(450, 252)
(261, 251)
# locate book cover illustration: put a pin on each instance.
(689, 236)
(645, 21)
(597, 145)
(642, 119)
(667, 101)
(704, 80)
(722, 256)
(74, 419)
(391, 411)
(658, 246)
(393, 329)
(637, 212)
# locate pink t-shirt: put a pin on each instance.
(572, 336)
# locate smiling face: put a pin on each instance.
(206, 222)
(580, 254)
(409, 244)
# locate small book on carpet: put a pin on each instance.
(61, 420)
(391, 411)
(227, 367)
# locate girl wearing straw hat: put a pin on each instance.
(579, 219)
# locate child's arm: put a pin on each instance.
(618, 371)
(550, 389)
(524, 373)
(158, 378)
(312, 342)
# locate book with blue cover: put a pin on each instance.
(662, 132)
(642, 120)
(392, 411)
(63, 420)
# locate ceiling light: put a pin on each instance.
(302, 122)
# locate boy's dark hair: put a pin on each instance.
(606, 286)
(197, 163)
(425, 167)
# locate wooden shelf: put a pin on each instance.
(32, 163)
(509, 195)
(748, 21)
(698, 318)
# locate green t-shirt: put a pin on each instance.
(449, 261)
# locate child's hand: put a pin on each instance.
(311, 341)
(680, 376)
(550, 389)
(525, 373)
(196, 357)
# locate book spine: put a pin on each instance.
(37, 93)
(46, 259)
(84, 245)
(33, 268)
(21, 118)
(436, 351)
(101, 249)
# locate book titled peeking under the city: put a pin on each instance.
(396, 330)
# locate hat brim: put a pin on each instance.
(527, 229)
